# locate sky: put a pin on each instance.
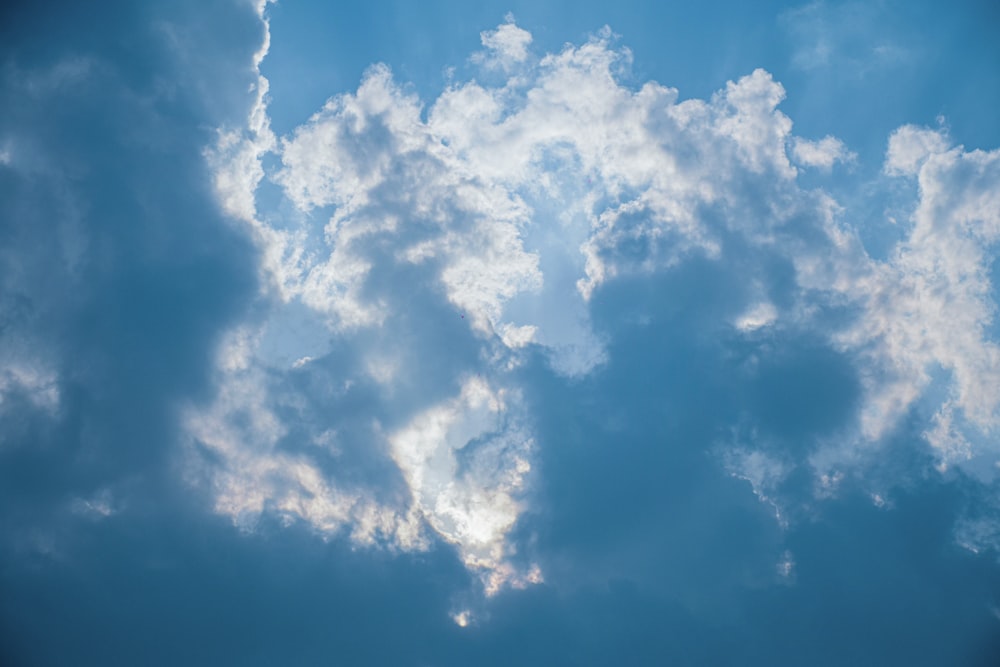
(523, 333)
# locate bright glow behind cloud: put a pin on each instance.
(471, 503)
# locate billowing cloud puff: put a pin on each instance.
(823, 153)
(505, 47)
(418, 254)
(931, 305)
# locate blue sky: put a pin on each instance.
(492, 334)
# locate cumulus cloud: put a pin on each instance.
(930, 306)
(505, 47)
(440, 244)
(910, 146)
(497, 180)
(465, 462)
(822, 154)
(485, 336)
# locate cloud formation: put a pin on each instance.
(503, 209)
(556, 329)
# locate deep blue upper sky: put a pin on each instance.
(483, 334)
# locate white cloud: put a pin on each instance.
(519, 201)
(561, 166)
(910, 146)
(929, 307)
(513, 205)
(760, 315)
(465, 462)
(462, 618)
(247, 472)
(236, 163)
(506, 46)
(822, 154)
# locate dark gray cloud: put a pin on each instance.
(117, 270)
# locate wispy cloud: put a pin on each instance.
(849, 37)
